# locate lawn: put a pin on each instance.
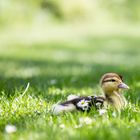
(58, 68)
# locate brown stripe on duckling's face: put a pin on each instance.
(111, 82)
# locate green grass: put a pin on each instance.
(57, 69)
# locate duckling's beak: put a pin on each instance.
(123, 86)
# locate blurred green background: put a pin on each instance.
(38, 36)
(63, 47)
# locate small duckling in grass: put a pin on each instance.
(111, 84)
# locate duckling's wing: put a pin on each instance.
(80, 103)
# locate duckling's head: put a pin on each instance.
(112, 82)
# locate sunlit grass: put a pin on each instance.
(58, 68)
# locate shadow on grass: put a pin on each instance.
(16, 72)
(61, 75)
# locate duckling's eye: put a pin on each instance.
(113, 80)
(110, 80)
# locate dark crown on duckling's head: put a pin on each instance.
(112, 84)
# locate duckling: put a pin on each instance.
(111, 84)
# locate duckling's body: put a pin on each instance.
(80, 103)
(117, 100)
(111, 83)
